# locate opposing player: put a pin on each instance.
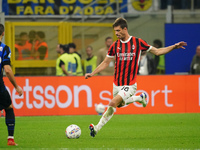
(126, 51)
(5, 100)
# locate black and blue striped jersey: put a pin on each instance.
(5, 55)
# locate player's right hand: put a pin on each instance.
(19, 90)
(88, 75)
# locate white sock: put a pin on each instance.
(105, 118)
(133, 99)
(10, 137)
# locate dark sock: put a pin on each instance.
(10, 121)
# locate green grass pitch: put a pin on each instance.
(122, 132)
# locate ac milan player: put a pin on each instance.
(126, 51)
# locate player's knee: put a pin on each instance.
(112, 104)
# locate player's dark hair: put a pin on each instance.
(158, 42)
(41, 34)
(108, 38)
(120, 22)
(72, 45)
(1, 29)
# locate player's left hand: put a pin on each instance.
(180, 45)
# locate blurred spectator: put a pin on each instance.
(159, 60)
(91, 62)
(40, 47)
(65, 63)
(102, 54)
(72, 50)
(146, 64)
(31, 36)
(23, 47)
(195, 64)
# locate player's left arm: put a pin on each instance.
(165, 50)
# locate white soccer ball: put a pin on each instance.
(73, 131)
(100, 108)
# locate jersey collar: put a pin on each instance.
(126, 40)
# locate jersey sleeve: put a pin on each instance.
(144, 46)
(6, 56)
(111, 51)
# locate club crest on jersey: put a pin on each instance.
(133, 47)
(1, 48)
(119, 48)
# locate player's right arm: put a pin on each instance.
(101, 67)
(11, 77)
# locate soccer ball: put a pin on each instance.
(100, 108)
(73, 131)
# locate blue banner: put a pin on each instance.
(62, 7)
(179, 60)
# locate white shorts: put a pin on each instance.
(125, 91)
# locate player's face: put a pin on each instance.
(119, 32)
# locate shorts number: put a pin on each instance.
(125, 88)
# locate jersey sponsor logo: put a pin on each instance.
(1, 49)
(125, 56)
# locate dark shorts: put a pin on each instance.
(5, 100)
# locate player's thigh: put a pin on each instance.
(5, 100)
(116, 89)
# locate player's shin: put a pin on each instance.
(105, 118)
(133, 99)
(10, 121)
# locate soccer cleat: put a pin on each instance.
(143, 102)
(92, 131)
(11, 142)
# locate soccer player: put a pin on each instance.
(5, 100)
(126, 51)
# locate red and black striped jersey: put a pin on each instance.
(127, 56)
